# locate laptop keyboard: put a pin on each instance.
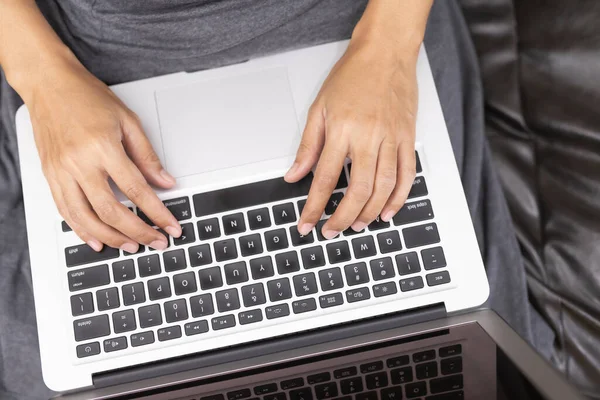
(433, 374)
(241, 262)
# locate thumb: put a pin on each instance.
(313, 139)
(142, 154)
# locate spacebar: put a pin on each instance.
(249, 195)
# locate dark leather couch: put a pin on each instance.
(540, 63)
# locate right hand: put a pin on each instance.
(86, 135)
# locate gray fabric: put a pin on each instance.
(113, 51)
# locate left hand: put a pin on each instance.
(366, 111)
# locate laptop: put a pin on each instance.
(240, 275)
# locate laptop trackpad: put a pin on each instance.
(227, 122)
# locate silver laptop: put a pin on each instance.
(241, 274)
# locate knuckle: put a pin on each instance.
(324, 181)
(134, 191)
(387, 179)
(150, 157)
(361, 190)
(106, 211)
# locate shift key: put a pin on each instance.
(84, 254)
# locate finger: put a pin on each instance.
(360, 189)
(84, 219)
(326, 177)
(385, 181)
(132, 183)
(140, 150)
(406, 176)
(310, 146)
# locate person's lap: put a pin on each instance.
(455, 70)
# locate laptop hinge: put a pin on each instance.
(269, 346)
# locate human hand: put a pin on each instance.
(86, 135)
(365, 110)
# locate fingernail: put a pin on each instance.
(130, 247)
(94, 244)
(329, 234)
(167, 177)
(292, 169)
(305, 228)
(159, 244)
(358, 226)
(387, 216)
(173, 231)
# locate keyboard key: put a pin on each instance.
(251, 245)
(397, 361)
(389, 242)
(210, 278)
(450, 350)
(259, 219)
(305, 284)
(385, 289)
(253, 295)
(345, 372)
(354, 295)
(250, 317)
(275, 396)
(88, 349)
(376, 380)
(352, 232)
(159, 288)
(276, 240)
(277, 311)
(227, 300)
(249, 195)
(312, 257)
(213, 397)
(331, 279)
(91, 328)
(141, 249)
(287, 262)
(364, 247)
(124, 321)
(265, 389)
(371, 367)
(331, 300)
(305, 305)
(326, 390)
(367, 396)
(234, 223)
(84, 254)
(66, 228)
(291, 383)
(408, 263)
(82, 304)
(236, 273)
(422, 356)
(176, 310)
(179, 207)
(446, 384)
(169, 333)
(141, 339)
(433, 258)
(450, 366)
(415, 389)
(284, 213)
(209, 229)
(301, 205)
(414, 212)
(342, 181)
(123, 270)
(393, 393)
(107, 299)
(239, 394)
(133, 294)
(401, 375)
(319, 229)
(174, 260)
(195, 328)
(338, 252)
(409, 284)
(318, 378)
(115, 344)
(421, 235)
(200, 255)
(459, 395)
(184, 283)
(378, 224)
(419, 188)
(279, 289)
(426, 370)
(201, 305)
(148, 265)
(225, 250)
(223, 322)
(382, 268)
(356, 274)
(149, 316)
(438, 278)
(333, 203)
(187, 235)
(261, 267)
(87, 278)
(298, 239)
(301, 394)
(418, 167)
(351, 385)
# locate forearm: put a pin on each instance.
(29, 48)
